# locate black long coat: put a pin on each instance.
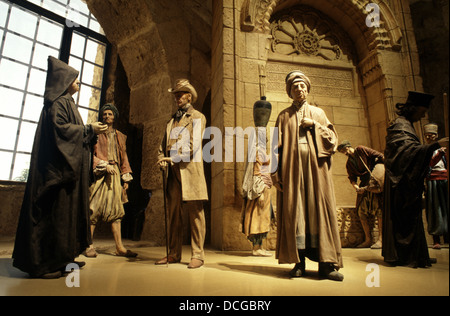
(54, 226)
(406, 163)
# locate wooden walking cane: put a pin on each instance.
(164, 175)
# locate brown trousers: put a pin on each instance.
(196, 213)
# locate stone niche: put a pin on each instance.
(357, 74)
(305, 39)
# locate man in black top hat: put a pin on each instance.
(406, 163)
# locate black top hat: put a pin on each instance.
(419, 99)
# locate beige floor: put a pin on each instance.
(226, 274)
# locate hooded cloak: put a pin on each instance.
(53, 226)
(407, 162)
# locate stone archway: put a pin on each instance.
(385, 58)
(377, 48)
(157, 42)
(255, 16)
(306, 39)
(381, 69)
(381, 66)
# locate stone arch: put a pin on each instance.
(305, 38)
(379, 72)
(382, 54)
(157, 42)
(156, 46)
(350, 14)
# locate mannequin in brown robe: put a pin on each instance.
(306, 207)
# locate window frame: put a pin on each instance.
(64, 55)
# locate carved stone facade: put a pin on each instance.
(304, 38)
(359, 71)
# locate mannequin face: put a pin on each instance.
(108, 117)
(420, 113)
(430, 137)
(348, 151)
(182, 98)
(299, 91)
(74, 87)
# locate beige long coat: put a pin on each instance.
(322, 140)
(188, 133)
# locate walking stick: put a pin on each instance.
(164, 170)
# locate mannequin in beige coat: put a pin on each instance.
(181, 153)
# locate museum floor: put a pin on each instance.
(234, 273)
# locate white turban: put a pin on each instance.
(292, 76)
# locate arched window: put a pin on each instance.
(30, 31)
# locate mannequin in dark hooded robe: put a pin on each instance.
(54, 223)
(407, 162)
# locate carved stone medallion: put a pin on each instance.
(304, 31)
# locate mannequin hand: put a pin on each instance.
(360, 190)
(162, 163)
(307, 122)
(99, 128)
(110, 169)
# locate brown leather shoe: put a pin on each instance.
(195, 263)
(164, 261)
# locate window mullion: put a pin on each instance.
(66, 43)
(19, 126)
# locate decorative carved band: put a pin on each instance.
(370, 69)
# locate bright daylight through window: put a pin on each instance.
(30, 31)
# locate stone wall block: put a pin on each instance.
(152, 100)
(117, 29)
(346, 116)
(151, 178)
(154, 229)
(143, 57)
